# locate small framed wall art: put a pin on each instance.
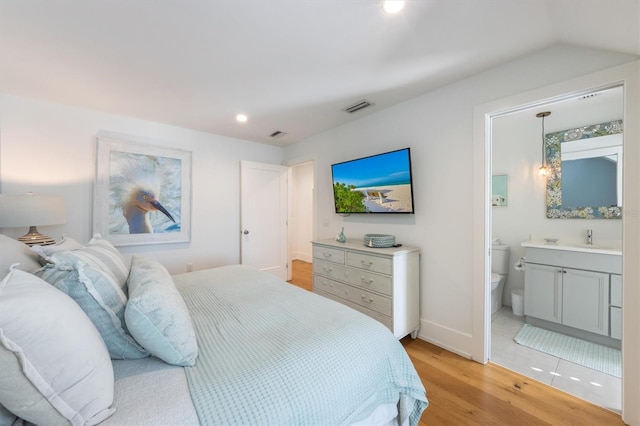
(499, 194)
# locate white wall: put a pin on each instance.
(301, 221)
(516, 152)
(438, 126)
(50, 148)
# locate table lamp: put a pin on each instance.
(32, 210)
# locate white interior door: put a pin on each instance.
(263, 217)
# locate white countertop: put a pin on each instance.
(612, 248)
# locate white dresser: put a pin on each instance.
(382, 283)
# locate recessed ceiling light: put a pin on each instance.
(392, 6)
(242, 118)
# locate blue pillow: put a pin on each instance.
(157, 316)
(103, 300)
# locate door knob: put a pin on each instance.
(245, 232)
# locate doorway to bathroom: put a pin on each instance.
(521, 211)
(526, 208)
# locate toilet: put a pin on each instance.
(499, 269)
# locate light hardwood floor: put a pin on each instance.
(464, 392)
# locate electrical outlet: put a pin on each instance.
(189, 267)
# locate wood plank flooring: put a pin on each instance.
(302, 274)
(464, 392)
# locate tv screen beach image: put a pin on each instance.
(377, 184)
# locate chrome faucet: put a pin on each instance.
(589, 236)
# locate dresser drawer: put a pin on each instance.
(385, 320)
(371, 301)
(327, 285)
(383, 265)
(369, 281)
(328, 253)
(329, 269)
(363, 298)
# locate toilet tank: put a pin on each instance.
(500, 259)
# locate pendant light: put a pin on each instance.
(543, 170)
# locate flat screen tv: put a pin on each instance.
(376, 184)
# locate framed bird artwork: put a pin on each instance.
(142, 192)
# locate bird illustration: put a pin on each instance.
(137, 184)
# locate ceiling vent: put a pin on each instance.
(277, 134)
(358, 106)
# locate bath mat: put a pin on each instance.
(591, 355)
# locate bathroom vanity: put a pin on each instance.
(382, 283)
(574, 289)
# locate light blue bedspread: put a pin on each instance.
(273, 354)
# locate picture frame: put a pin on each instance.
(499, 191)
(142, 192)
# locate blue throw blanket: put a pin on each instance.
(273, 354)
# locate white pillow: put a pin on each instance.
(98, 253)
(13, 251)
(55, 367)
(157, 316)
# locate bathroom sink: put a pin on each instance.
(605, 248)
(594, 246)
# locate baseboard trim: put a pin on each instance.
(305, 257)
(446, 338)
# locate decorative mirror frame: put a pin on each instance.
(555, 210)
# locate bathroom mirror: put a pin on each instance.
(585, 172)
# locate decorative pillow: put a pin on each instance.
(157, 316)
(13, 251)
(101, 298)
(65, 244)
(55, 367)
(99, 254)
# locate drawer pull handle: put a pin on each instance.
(326, 254)
(366, 281)
(327, 268)
(365, 263)
(364, 299)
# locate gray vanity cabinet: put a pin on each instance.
(585, 301)
(615, 308)
(543, 292)
(573, 292)
(572, 297)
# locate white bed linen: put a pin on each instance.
(151, 392)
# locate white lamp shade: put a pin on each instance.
(31, 210)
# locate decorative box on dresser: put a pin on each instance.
(382, 283)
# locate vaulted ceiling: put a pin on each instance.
(290, 65)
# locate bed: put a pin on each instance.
(263, 352)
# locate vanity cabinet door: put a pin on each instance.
(543, 292)
(585, 296)
(616, 323)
